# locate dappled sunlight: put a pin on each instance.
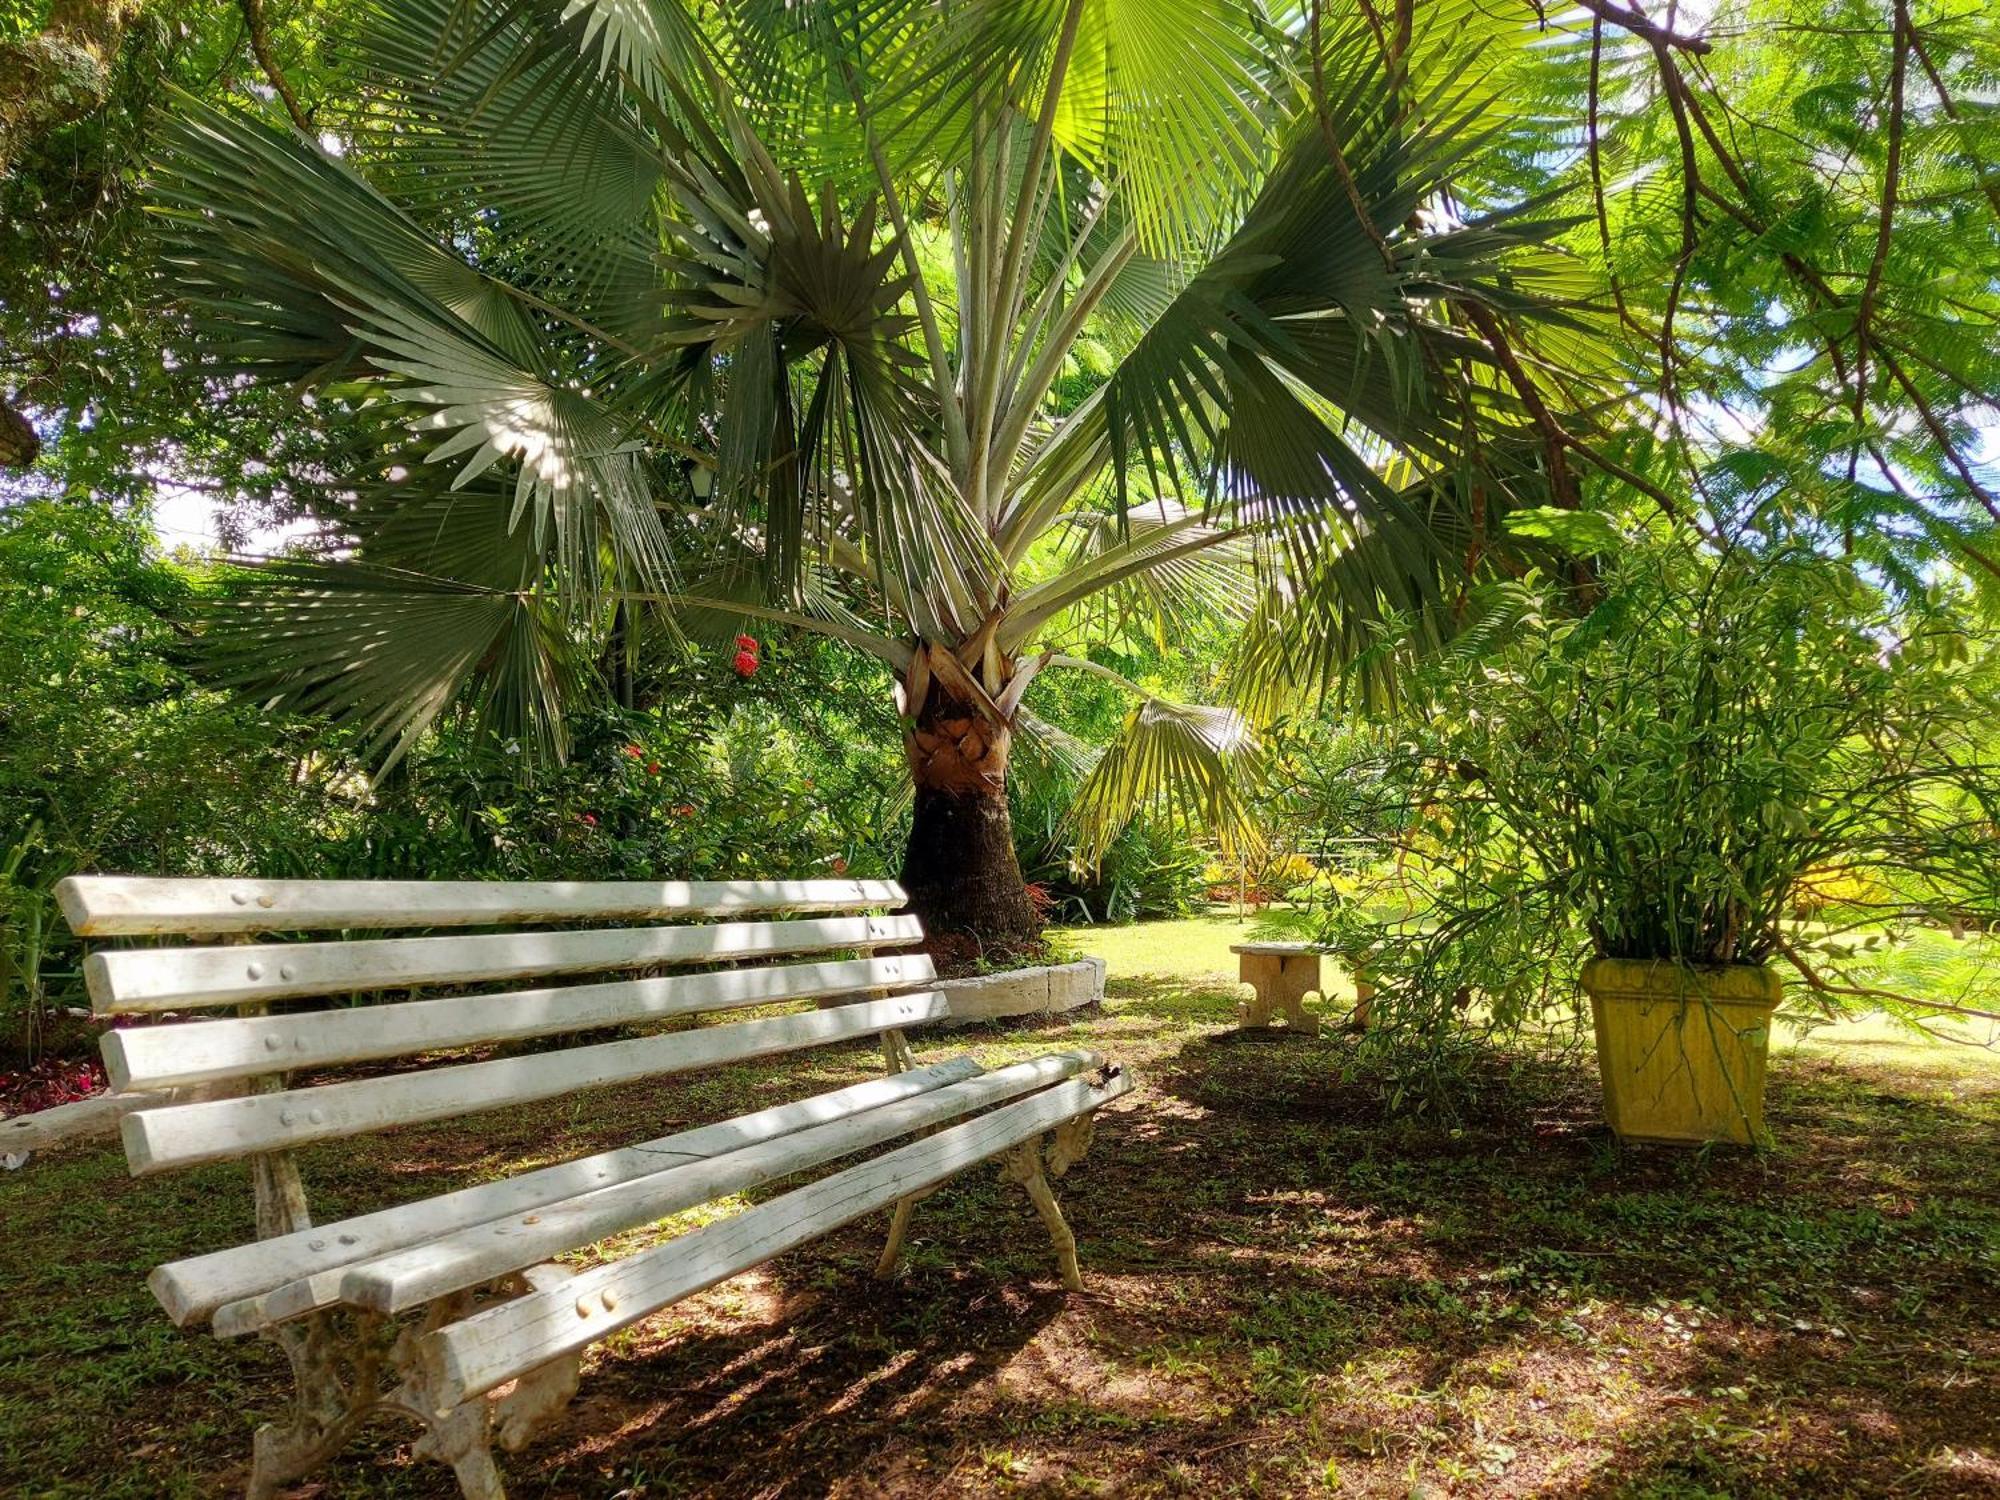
(1285, 1281)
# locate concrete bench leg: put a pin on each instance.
(1281, 981)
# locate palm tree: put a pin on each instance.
(659, 320)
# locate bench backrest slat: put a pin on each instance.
(128, 905)
(221, 1129)
(133, 980)
(155, 1057)
(451, 992)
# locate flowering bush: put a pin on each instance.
(47, 1083)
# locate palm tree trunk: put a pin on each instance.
(960, 869)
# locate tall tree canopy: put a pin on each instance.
(839, 265)
(978, 336)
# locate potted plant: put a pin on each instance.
(1643, 787)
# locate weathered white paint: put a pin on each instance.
(421, 1273)
(92, 1119)
(194, 1288)
(184, 1135)
(126, 905)
(493, 1346)
(151, 979)
(157, 1056)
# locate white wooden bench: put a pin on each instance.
(450, 1310)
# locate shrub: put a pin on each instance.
(1714, 745)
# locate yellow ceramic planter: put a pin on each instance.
(1681, 1049)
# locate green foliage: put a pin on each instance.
(1715, 745)
(1153, 868)
(1796, 207)
(989, 340)
(83, 348)
(111, 755)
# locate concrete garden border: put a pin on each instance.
(1045, 990)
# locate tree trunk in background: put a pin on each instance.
(58, 76)
(61, 74)
(960, 868)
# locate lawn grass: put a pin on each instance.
(1291, 1293)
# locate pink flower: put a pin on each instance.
(745, 663)
(635, 752)
(589, 820)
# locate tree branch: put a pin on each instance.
(260, 47)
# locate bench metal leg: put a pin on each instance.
(899, 1231)
(339, 1362)
(463, 1438)
(1030, 1166)
(539, 1396)
(1023, 1164)
(898, 1058)
(335, 1381)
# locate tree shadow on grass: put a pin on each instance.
(1288, 1275)
(1288, 1280)
(810, 1376)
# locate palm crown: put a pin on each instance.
(667, 320)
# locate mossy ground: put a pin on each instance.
(1290, 1294)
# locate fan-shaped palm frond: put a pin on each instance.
(1183, 761)
(843, 257)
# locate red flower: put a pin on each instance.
(652, 768)
(746, 643)
(635, 752)
(589, 820)
(685, 810)
(745, 663)
(839, 865)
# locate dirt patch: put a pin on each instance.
(1293, 1291)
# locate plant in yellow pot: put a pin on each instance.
(1629, 791)
(1681, 1048)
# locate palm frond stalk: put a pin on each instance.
(854, 262)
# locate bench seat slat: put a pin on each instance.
(153, 1057)
(126, 905)
(193, 1288)
(467, 1358)
(152, 979)
(481, 1253)
(183, 1135)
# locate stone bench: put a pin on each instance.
(1283, 974)
(450, 1310)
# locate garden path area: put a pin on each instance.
(1290, 1294)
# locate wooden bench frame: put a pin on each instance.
(451, 1310)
